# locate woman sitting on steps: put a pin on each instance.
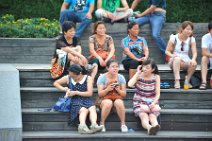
(71, 45)
(81, 93)
(178, 51)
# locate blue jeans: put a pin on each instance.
(76, 17)
(157, 21)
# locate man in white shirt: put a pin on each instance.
(206, 56)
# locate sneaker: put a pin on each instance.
(83, 129)
(96, 128)
(103, 128)
(124, 128)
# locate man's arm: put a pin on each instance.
(64, 6)
(134, 4)
(99, 4)
(90, 11)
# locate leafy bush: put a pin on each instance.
(177, 10)
(28, 28)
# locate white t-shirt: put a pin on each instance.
(183, 54)
(207, 43)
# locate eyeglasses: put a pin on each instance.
(182, 46)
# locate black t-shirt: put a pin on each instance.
(61, 42)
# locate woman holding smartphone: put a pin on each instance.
(111, 89)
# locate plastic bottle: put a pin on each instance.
(211, 82)
(186, 87)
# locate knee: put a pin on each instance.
(83, 111)
(177, 60)
(145, 109)
(107, 104)
(119, 103)
(155, 35)
(99, 13)
(204, 60)
(156, 109)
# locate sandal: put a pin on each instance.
(177, 85)
(153, 130)
(203, 86)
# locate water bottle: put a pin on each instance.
(186, 87)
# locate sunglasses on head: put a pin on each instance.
(182, 46)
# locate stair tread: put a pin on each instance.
(128, 110)
(25, 66)
(53, 89)
(116, 134)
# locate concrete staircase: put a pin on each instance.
(186, 114)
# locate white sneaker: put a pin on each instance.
(96, 128)
(124, 128)
(103, 128)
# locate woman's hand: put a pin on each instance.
(137, 14)
(71, 93)
(193, 63)
(88, 15)
(66, 89)
(143, 58)
(139, 68)
(110, 88)
(117, 88)
(102, 62)
(152, 105)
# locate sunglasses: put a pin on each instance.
(182, 46)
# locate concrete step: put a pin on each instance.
(36, 97)
(35, 119)
(116, 136)
(37, 75)
(23, 50)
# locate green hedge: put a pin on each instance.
(177, 10)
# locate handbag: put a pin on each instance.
(56, 70)
(102, 53)
(58, 64)
(63, 104)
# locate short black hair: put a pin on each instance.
(110, 62)
(153, 65)
(209, 26)
(75, 68)
(130, 25)
(67, 25)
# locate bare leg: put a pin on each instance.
(120, 108)
(204, 68)
(94, 71)
(93, 114)
(132, 72)
(83, 115)
(145, 120)
(106, 106)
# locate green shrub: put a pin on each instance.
(177, 10)
(28, 28)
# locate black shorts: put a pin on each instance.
(130, 64)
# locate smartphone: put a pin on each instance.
(115, 84)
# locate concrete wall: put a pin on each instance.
(10, 104)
